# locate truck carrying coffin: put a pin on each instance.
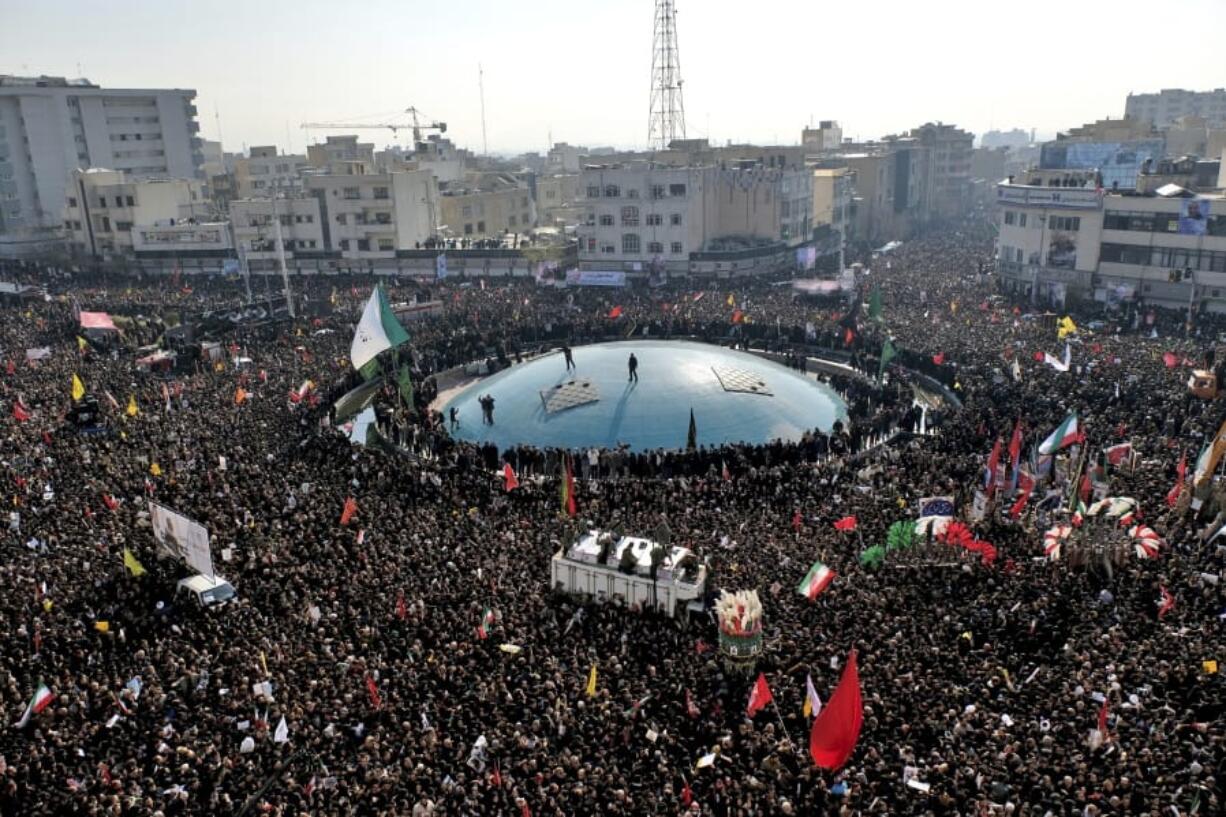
(605, 568)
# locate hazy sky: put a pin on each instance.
(580, 69)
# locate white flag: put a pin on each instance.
(282, 733)
(377, 331)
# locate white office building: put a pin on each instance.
(51, 126)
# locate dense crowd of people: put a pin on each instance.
(394, 693)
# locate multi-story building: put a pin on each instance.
(945, 164)
(1169, 104)
(558, 199)
(342, 155)
(302, 228)
(102, 208)
(827, 136)
(486, 205)
(833, 190)
(1115, 148)
(564, 158)
(1062, 236)
(643, 216)
(373, 215)
(51, 126)
(264, 172)
(1015, 138)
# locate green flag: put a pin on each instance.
(405, 383)
(874, 304)
(888, 353)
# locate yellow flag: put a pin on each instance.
(591, 683)
(47, 605)
(1065, 328)
(240, 394)
(132, 409)
(219, 366)
(155, 469)
(81, 344)
(130, 562)
(731, 300)
(102, 626)
(263, 662)
(78, 388)
(1210, 666)
(808, 707)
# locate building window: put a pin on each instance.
(468, 229)
(632, 194)
(676, 190)
(106, 224)
(606, 220)
(675, 219)
(676, 248)
(654, 219)
(383, 218)
(657, 191)
(363, 245)
(466, 211)
(123, 226)
(511, 220)
(655, 248)
(380, 192)
(611, 191)
(72, 202)
(1021, 220)
(1068, 224)
(352, 193)
(608, 249)
(385, 244)
(342, 218)
(593, 191)
(630, 216)
(1010, 217)
(481, 227)
(630, 244)
(131, 201)
(591, 245)
(344, 245)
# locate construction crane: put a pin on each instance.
(417, 127)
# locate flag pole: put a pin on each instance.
(786, 734)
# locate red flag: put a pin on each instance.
(351, 507)
(1038, 357)
(1181, 471)
(701, 646)
(1015, 444)
(1102, 719)
(373, 691)
(615, 312)
(20, 413)
(1170, 360)
(691, 708)
(846, 523)
(759, 696)
(738, 316)
(402, 609)
(105, 773)
(848, 336)
(1168, 602)
(496, 777)
(568, 490)
(725, 472)
(110, 502)
(993, 467)
(797, 520)
(510, 481)
(524, 811)
(1086, 488)
(1025, 484)
(687, 794)
(939, 358)
(837, 729)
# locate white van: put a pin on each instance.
(206, 591)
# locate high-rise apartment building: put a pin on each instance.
(51, 126)
(1169, 104)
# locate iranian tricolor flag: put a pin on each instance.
(377, 331)
(815, 581)
(41, 700)
(487, 620)
(1066, 434)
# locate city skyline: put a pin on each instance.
(546, 75)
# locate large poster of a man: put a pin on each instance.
(1193, 216)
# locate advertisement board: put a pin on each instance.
(181, 538)
(595, 278)
(1193, 216)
